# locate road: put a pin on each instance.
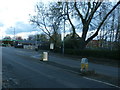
(22, 71)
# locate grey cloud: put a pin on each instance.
(1, 24)
(20, 27)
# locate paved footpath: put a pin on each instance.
(101, 69)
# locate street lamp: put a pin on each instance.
(64, 29)
(14, 31)
(1, 35)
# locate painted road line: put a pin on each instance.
(95, 79)
(101, 82)
(86, 77)
(36, 56)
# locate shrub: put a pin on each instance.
(94, 53)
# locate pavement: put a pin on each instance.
(74, 65)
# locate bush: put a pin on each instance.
(94, 53)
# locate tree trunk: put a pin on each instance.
(85, 30)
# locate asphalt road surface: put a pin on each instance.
(22, 71)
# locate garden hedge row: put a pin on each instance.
(95, 53)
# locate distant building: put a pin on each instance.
(102, 44)
(7, 42)
(93, 44)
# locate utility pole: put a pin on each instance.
(64, 29)
(14, 33)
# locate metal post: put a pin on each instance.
(36, 39)
(14, 32)
(64, 29)
(36, 45)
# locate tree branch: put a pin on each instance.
(93, 11)
(73, 27)
(46, 26)
(80, 15)
(96, 33)
(89, 5)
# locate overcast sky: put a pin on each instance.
(15, 14)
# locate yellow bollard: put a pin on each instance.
(84, 64)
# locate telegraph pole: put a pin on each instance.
(14, 33)
(64, 29)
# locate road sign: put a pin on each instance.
(52, 46)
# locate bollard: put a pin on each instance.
(84, 64)
(41, 57)
(45, 56)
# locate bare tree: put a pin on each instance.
(48, 19)
(117, 36)
(91, 8)
(85, 12)
(40, 18)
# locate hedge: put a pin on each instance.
(95, 53)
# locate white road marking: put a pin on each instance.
(36, 56)
(90, 78)
(101, 82)
(85, 77)
(95, 80)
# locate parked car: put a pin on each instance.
(4, 45)
(19, 45)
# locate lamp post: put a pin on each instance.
(1, 35)
(14, 31)
(63, 51)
